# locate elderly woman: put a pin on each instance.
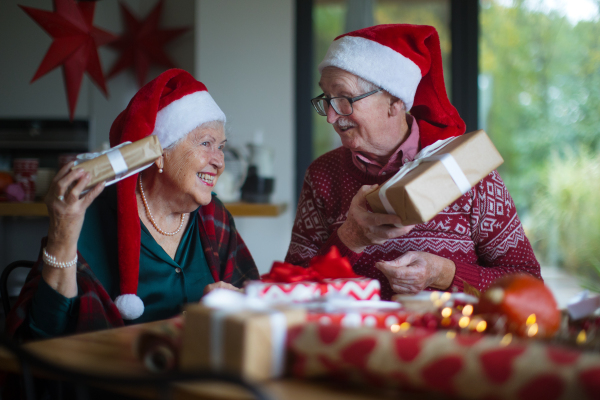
(370, 79)
(152, 242)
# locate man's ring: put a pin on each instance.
(60, 198)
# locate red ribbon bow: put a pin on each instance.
(332, 265)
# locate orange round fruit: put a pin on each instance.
(528, 305)
(5, 180)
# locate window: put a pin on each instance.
(332, 18)
(539, 100)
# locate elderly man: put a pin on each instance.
(370, 78)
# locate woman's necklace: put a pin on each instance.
(151, 218)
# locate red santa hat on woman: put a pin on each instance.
(170, 106)
(406, 61)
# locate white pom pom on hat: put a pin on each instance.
(130, 306)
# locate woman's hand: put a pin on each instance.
(363, 228)
(220, 285)
(66, 211)
(417, 270)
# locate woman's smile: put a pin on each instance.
(207, 178)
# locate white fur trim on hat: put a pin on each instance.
(377, 64)
(184, 115)
(130, 306)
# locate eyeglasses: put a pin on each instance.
(341, 105)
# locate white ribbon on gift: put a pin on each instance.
(117, 162)
(427, 155)
(342, 303)
(583, 304)
(226, 302)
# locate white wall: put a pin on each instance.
(23, 44)
(245, 56)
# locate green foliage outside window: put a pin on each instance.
(542, 77)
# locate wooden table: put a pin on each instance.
(239, 209)
(109, 353)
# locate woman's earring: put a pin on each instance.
(160, 170)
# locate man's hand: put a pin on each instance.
(220, 285)
(363, 228)
(417, 270)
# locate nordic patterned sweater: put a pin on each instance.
(480, 231)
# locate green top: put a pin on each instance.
(164, 285)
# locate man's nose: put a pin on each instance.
(332, 116)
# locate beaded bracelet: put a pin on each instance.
(51, 261)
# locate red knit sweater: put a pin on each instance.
(480, 232)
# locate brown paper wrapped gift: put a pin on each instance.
(242, 342)
(119, 162)
(424, 191)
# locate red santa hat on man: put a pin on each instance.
(406, 61)
(170, 106)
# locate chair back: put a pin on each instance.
(4, 281)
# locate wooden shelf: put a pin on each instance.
(236, 209)
(23, 210)
(255, 209)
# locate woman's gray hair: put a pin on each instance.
(206, 125)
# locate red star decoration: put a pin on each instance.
(143, 42)
(75, 45)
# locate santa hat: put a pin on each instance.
(169, 107)
(406, 61)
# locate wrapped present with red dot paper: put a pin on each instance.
(326, 275)
(381, 319)
(470, 366)
(346, 312)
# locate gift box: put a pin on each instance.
(439, 175)
(293, 292)
(326, 275)
(352, 314)
(357, 288)
(470, 366)
(119, 162)
(357, 318)
(159, 346)
(284, 292)
(237, 335)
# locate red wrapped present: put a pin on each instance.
(472, 366)
(358, 288)
(325, 275)
(284, 292)
(373, 314)
(159, 346)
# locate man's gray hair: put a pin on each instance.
(367, 86)
(209, 124)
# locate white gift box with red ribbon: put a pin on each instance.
(356, 288)
(284, 292)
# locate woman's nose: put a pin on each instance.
(218, 159)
